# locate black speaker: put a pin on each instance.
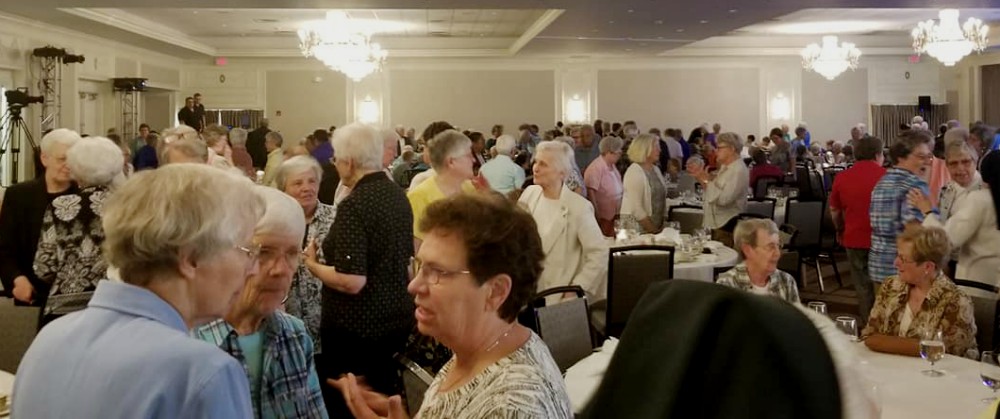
(924, 103)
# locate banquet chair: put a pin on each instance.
(18, 326)
(631, 269)
(985, 298)
(565, 326)
(807, 217)
(762, 206)
(764, 183)
(416, 381)
(690, 217)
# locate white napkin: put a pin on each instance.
(668, 235)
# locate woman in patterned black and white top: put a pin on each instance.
(69, 256)
(478, 265)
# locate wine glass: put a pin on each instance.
(932, 349)
(849, 326)
(674, 225)
(817, 306)
(989, 372)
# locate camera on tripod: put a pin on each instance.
(20, 98)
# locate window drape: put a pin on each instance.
(886, 119)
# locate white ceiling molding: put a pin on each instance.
(536, 28)
(771, 51)
(393, 53)
(144, 27)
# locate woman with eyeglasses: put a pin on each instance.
(477, 267)
(181, 237)
(274, 347)
(759, 243)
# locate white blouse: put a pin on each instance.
(972, 227)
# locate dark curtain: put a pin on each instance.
(235, 118)
(991, 94)
(886, 119)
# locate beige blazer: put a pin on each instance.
(576, 252)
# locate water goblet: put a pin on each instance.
(932, 349)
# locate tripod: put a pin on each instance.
(13, 130)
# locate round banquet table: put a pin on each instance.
(779, 208)
(703, 267)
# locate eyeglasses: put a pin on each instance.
(252, 252)
(432, 275)
(901, 259)
(269, 256)
(772, 247)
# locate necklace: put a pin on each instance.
(497, 342)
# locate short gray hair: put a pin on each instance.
(733, 140)
(907, 142)
(390, 136)
(158, 214)
(360, 143)
(238, 137)
(64, 136)
(274, 137)
(610, 144)
(956, 135)
(180, 132)
(95, 161)
(294, 166)
(193, 148)
(214, 133)
(561, 152)
(282, 214)
(959, 148)
(448, 143)
(640, 148)
(505, 144)
(746, 232)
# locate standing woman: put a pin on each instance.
(604, 184)
(726, 191)
(645, 195)
(575, 250)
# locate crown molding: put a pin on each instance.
(772, 51)
(536, 28)
(123, 20)
(401, 53)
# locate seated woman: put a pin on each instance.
(920, 299)
(181, 237)
(575, 250)
(757, 241)
(274, 347)
(762, 168)
(644, 196)
(69, 257)
(479, 264)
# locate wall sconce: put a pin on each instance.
(781, 108)
(368, 111)
(576, 110)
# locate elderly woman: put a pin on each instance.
(182, 237)
(920, 299)
(726, 191)
(604, 184)
(451, 159)
(182, 144)
(240, 155)
(574, 179)
(274, 347)
(69, 257)
(217, 139)
(972, 222)
(575, 250)
(272, 143)
(477, 268)
(299, 177)
(759, 244)
(365, 307)
(782, 154)
(644, 192)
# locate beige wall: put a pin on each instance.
(472, 99)
(305, 103)
(832, 107)
(682, 98)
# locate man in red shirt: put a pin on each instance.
(849, 202)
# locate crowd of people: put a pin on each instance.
(260, 277)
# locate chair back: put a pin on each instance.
(984, 304)
(791, 263)
(762, 184)
(807, 217)
(762, 206)
(416, 381)
(631, 269)
(685, 182)
(565, 327)
(18, 326)
(689, 217)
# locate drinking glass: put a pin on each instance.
(932, 349)
(989, 372)
(849, 326)
(674, 225)
(817, 306)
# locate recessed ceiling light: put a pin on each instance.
(733, 10)
(628, 49)
(631, 11)
(611, 22)
(658, 22)
(704, 21)
(679, 30)
(659, 37)
(580, 38)
(195, 12)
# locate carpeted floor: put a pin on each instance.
(839, 299)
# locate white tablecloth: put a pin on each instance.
(702, 268)
(779, 210)
(901, 389)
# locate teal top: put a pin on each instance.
(253, 350)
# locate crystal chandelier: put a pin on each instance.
(946, 40)
(830, 59)
(342, 46)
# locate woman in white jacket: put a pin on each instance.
(575, 250)
(645, 194)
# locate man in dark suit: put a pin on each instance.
(199, 112)
(24, 205)
(188, 116)
(255, 145)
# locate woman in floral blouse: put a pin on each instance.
(920, 299)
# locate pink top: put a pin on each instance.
(604, 185)
(937, 177)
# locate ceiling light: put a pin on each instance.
(830, 59)
(679, 30)
(631, 11)
(658, 22)
(733, 10)
(342, 45)
(704, 21)
(946, 40)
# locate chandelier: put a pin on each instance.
(947, 41)
(830, 59)
(342, 46)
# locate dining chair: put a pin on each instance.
(690, 217)
(807, 217)
(762, 206)
(565, 326)
(18, 326)
(416, 381)
(984, 298)
(631, 269)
